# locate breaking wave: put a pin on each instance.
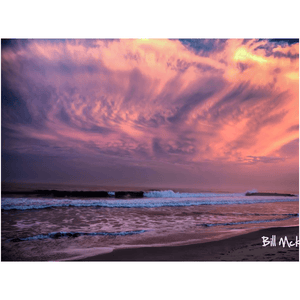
(31, 203)
(172, 194)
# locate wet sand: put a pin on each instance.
(247, 247)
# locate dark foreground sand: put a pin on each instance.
(247, 247)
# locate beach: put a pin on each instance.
(162, 225)
(246, 247)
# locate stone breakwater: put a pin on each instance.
(77, 194)
(269, 194)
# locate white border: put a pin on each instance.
(155, 19)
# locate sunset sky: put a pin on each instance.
(205, 113)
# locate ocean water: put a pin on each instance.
(57, 229)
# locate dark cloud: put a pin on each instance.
(293, 128)
(285, 41)
(14, 43)
(234, 94)
(183, 148)
(204, 46)
(290, 150)
(263, 159)
(279, 54)
(98, 129)
(272, 49)
(13, 107)
(190, 103)
(155, 121)
(256, 94)
(157, 148)
(63, 116)
(242, 67)
(138, 87)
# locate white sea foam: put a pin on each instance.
(31, 203)
(252, 191)
(172, 194)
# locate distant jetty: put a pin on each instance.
(77, 194)
(269, 194)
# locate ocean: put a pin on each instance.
(70, 228)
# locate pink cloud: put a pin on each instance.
(157, 100)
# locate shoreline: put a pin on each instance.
(245, 247)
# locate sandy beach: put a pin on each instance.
(247, 247)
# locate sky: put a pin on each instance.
(205, 113)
